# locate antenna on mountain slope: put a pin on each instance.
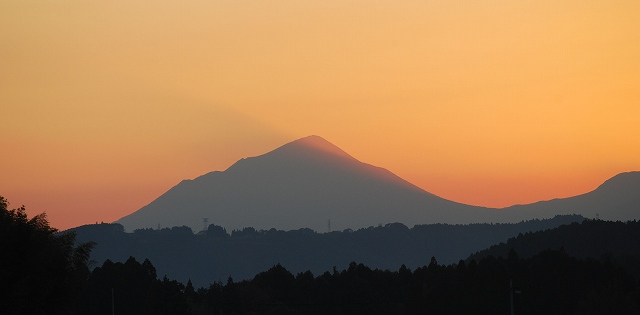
(205, 221)
(329, 226)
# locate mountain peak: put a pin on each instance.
(312, 145)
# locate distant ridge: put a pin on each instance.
(309, 181)
(618, 198)
(216, 254)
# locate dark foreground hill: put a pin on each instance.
(214, 255)
(613, 242)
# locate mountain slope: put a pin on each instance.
(616, 199)
(302, 184)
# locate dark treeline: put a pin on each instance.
(44, 272)
(550, 282)
(41, 272)
(214, 254)
(132, 288)
(607, 241)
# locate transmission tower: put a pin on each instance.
(205, 221)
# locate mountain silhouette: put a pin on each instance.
(311, 183)
(618, 198)
(306, 183)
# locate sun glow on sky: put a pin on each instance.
(107, 105)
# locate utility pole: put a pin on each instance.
(512, 290)
(113, 309)
(511, 294)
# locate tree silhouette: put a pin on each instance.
(41, 272)
(134, 289)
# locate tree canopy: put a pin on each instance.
(41, 271)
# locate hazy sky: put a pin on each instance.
(105, 105)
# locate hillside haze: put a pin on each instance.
(215, 255)
(302, 184)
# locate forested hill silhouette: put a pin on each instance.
(214, 254)
(310, 182)
(302, 184)
(43, 271)
(613, 242)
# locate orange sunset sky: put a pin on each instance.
(105, 105)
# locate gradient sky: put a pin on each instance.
(106, 105)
